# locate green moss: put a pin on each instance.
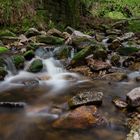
(115, 15)
(36, 66)
(18, 60)
(7, 33)
(127, 50)
(3, 73)
(53, 40)
(80, 56)
(29, 55)
(2, 62)
(3, 49)
(134, 26)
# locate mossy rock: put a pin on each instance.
(115, 60)
(100, 54)
(29, 55)
(2, 62)
(36, 66)
(3, 73)
(80, 56)
(18, 60)
(134, 26)
(3, 49)
(125, 51)
(32, 46)
(7, 33)
(62, 52)
(52, 40)
(32, 32)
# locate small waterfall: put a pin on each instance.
(51, 68)
(45, 52)
(10, 66)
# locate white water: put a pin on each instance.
(53, 75)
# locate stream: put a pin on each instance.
(44, 97)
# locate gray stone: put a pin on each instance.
(133, 97)
(86, 98)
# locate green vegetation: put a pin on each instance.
(19, 15)
(3, 49)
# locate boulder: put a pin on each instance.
(128, 62)
(97, 65)
(83, 70)
(134, 125)
(100, 54)
(8, 39)
(115, 60)
(138, 78)
(2, 62)
(120, 103)
(126, 36)
(36, 66)
(135, 66)
(32, 32)
(125, 51)
(55, 32)
(18, 61)
(86, 98)
(78, 37)
(80, 56)
(117, 76)
(7, 33)
(29, 55)
(80, 118)
(52, 40)
(3, 73)
(115, 45)
(133, 97)
(62, 52)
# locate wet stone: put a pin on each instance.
(120, 103)
(138, 79)
(133, 97)
(80, 118)
(97, 65)
(86, 98)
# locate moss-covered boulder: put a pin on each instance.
(115, 45)
(115, 60)
(7, 33)
(100, 53)
(117, 76)
(62, 52)
(127, 50)
(3, 73)
(135, 66)
(36, 66)
(78, 38)
(32, 32)
(33, 46)
(29, 55)
(52, 40)
(3, 49)
(80, 56)
(18, 60)
(2, 62)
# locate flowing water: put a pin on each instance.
(48, 91)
